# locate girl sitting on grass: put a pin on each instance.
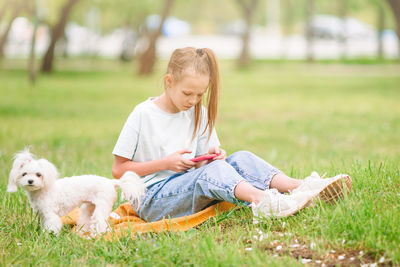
(163, 133)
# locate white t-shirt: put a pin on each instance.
(151, 133)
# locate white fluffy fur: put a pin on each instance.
(52, 197)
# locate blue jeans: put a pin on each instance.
(187, 193)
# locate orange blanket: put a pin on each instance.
(129, 222)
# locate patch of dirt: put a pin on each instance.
(306, 255)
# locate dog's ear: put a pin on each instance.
(50, 173)
(12, 181)
(21, 158)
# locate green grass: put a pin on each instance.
(330, 118)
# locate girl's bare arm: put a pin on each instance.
(174, 162)
(121, 165)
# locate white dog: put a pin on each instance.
(52, 197)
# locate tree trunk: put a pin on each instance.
(244, 58)
(3, 39)
(395, 5)
(127, 53)
(148, 58)
(309, 31)
(380, 28)
(57, 32)
(248, 8)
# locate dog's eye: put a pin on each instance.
(24, 174)
(38, 174)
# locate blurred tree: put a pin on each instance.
(147, 58)
(272, 17)
(395, 5)
(380, 27)
(248, 7)
(380, 9)
(287, 23)
(205, 16)
(309, 30)
(17, 8)
(343, 13)
(288, 16)
(130, 16)
(56, 32)
(32, 56)
(4, 8)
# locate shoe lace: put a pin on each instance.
(274, 194)
(316, 175)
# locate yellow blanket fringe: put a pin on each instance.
(129, 223)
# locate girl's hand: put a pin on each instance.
(219, 151)
(175, 161)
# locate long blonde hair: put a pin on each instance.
(204, 62)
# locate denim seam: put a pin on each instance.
(213, 183)
(174, 193)
(180, 192)
(146, 199)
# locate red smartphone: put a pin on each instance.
(204, 157)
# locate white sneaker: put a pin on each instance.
(279, 205)
(328, 189)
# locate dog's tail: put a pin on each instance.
(133, 188)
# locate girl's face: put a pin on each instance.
(187, 92)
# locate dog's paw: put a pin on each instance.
(52, 231)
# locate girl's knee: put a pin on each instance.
(217, 165)
(216, 171)
(240, 155)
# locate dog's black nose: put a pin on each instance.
(30, 181)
